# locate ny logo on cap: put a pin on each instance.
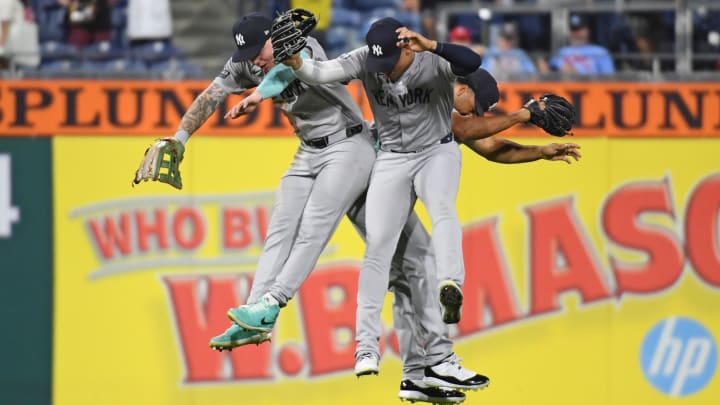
(239, 40)
(377, 50)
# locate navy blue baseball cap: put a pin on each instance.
(382, 40)
(578, 21)
(250, 33)
(485, 88)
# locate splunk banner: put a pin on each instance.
(39, 107)
(594, 283)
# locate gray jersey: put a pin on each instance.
(414, 111)
(314, 111)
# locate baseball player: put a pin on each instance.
(411, 97)
(327, 178)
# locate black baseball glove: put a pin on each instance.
(289, 32)
(558, 116)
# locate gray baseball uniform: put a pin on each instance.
(418, 158)
(321, 185)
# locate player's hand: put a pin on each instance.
(295, 61)
(246, 106)
(561, 151)
(414, 41)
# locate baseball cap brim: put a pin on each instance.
(247, 53)
(382, 64)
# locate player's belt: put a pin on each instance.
(325, 141)
(445, 139)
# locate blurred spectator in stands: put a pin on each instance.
(580, 56)
(87, 21)
(148, 21)
(636, 39)
(427, 18)
(8, 11)
(504, 58)
(706, 39)
(462, 36)
(18, 35)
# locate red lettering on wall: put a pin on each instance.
(111, 235)
(486, 279)
(198, 320)
(561, 257)
(156, 227)
(623, 225)
(236, 228)
(323, 317)
(188, 228)
(701, 230)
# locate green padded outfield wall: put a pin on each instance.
(26, 259)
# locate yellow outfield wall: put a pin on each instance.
(591, 283)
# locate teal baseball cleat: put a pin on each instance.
(236, 336)
(260, 316)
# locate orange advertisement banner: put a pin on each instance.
(125, 107)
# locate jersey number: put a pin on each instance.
(8, 213)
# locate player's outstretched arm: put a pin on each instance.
(319, 71)
(501, 150)
(200, 110)
(468, 128)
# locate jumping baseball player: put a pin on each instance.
(411, 97)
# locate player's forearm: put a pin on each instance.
(472, 127)
(321, 72)
(506, 151)
(462, 59)
(200, 110)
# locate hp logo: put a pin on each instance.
(679, 356)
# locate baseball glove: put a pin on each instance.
(162, 163)
(289, 32)
(558, 116)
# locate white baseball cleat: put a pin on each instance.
(366, 363)
(450, 374)
(419, 392)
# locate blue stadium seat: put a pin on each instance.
(102, 52)
(51, 51)
(368, 5)
(60, 65)
(345, 17)
(339, 40)
(156, 51)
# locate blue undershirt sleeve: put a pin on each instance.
(463, 60)
(277, 79)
